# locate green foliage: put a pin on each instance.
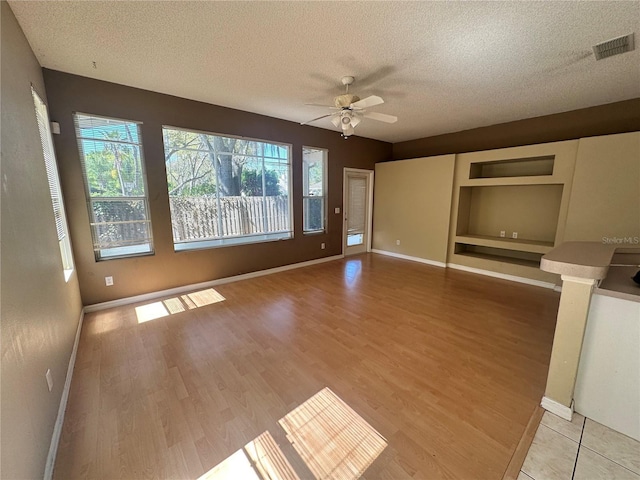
(113, 169)
(313, 219)
(252, 183)
(315, 173)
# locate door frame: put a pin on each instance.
(370, 177)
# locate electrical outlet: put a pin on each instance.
(49, 378)
(322, 246)
(503, 233)
(397, 242)
(514, 235)
(108, 281)
(337, 210)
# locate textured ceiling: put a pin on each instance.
(440, 66)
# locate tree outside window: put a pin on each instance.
(314, 171)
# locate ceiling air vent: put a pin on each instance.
(614, 46)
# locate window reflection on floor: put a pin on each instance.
(352, 271)
(163, 308)
(332, 439)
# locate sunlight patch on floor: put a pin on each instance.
(235, 466)
(151, 311)
(332, 439)
(171, 306)
(260, 459)
(202, 298)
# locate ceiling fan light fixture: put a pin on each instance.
(348, 131)
(350, 110)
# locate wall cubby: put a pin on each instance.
(516, 167)
(521, 189)
(529, 210)
(514, 257)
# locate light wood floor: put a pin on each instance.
(447, 366)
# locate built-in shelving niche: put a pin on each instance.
(517, 189)
(515, 257)
(530, 210)
(516, 167)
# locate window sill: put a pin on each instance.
(232, 241)
(123, 252)
(67, 274)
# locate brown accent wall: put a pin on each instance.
(40, 311)
(168, 269)
(619, 117)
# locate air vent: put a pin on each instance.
(614, 46)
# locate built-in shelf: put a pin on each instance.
(514, 257)
(516, 167)
(517, 190)
(522, 245)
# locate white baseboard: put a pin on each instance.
(504, 276)
(557, 408)
(57, 428)
(408, 257)
(212, 283)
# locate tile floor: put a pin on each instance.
(580, 450)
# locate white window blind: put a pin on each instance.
(356, 221)
(51, 166)
(314, 186)
(115, 181)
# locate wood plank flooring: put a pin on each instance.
(447, 366)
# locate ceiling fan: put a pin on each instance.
(350, 110)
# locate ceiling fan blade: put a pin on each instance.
(381, 117)
(319, 105)
(370, 101)
(319, 118)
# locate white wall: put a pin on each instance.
(608, 383)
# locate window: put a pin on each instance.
(51, 165)
(314, 180)
(226, 190)
(113, 167)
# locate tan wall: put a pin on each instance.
(39, 312)
(167, 269)
(567, 340)
(530, 210)
(605, 199)
(619, 117)
(412, 203)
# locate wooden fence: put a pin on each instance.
(198, 218)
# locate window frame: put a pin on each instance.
(227, 241)
(53, 182)
(324, 196)
(98, 252)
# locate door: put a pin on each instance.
(358, 196)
